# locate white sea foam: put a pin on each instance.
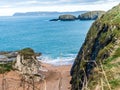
(67, 60)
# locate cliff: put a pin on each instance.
(92, 15)
(99, 51)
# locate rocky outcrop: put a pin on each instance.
(66, 17)
(92, 15)
(102, 40)
(27, 65)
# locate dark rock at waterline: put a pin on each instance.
(92, 15)
(54, 19)
(102, 40)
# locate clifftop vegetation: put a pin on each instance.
(100, 50)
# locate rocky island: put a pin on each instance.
(66, 17)
(97, 64)
(92, 15)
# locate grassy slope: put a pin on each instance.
(101, 44)
(107, 75)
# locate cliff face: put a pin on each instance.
(101, 42)
(92, 15)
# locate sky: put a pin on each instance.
(9, 7)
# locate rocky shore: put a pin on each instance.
(26, 72)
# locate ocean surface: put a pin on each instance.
(59, 42)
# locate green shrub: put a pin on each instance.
(27, 53)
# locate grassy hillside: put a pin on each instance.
(99, 51)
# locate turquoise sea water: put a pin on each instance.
(55, 40)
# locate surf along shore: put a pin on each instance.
(56, 78)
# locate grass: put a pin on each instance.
(107, 74)
(27, 53)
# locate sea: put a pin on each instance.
(58, 41)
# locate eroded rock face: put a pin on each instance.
(67, 17)
(27, 64)
(92, 15)
(102, 40)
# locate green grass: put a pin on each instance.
(117, 53)
(27, 53)
(111, 68)
(114, 82)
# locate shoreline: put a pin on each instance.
(56, 78)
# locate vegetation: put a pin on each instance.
(117, 53)
(27, 53)
(101, 46)
(6, 67)
(111, 68)
(112, 16)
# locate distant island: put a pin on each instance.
(66, 17)
(46, 13)
(91, 15)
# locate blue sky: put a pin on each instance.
(8, 7)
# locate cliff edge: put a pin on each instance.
(100, 49)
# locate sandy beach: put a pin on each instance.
(57, 78)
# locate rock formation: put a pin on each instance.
(102, 41)
(66, 17)
(92, 15)
(27, 64)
